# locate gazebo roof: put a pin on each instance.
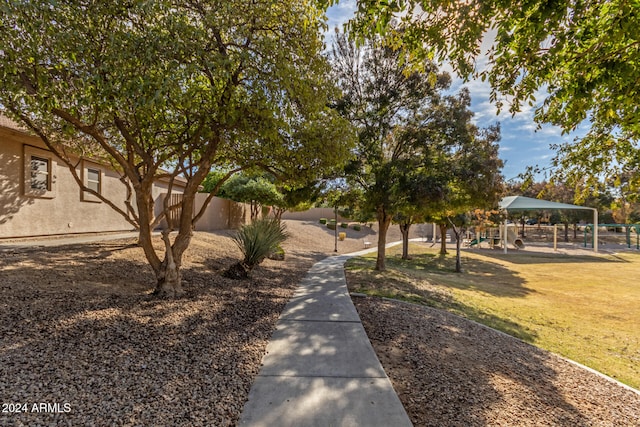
(521, 203)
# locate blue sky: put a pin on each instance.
(521, 144)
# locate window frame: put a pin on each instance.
(35, 173)
(97, 181)
(86, 167)
(29, 154)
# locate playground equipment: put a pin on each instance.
(609, 234)
(477, 241)
(520, 203)
(513, 239)
(488, 235)
(494, 237)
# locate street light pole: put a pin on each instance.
(335, 230)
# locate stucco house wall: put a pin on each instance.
(61, 208)
(221, 214)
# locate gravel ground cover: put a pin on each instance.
(81, 334)
(83, 343)
(448, 371)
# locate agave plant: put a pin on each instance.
(256, 241)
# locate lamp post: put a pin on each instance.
(335, 230)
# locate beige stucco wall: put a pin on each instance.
(158, 191)
(313, 214)
(423, 230)
(220, 214)
(63, 210)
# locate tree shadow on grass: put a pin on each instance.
(481, 275)
(426, 280)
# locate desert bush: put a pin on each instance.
(323, 220)
(256, 241)
(331, 225)
(357, 227)
(277, 254)
(344, 225)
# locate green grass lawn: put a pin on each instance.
(585, 308)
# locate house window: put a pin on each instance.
(40, 173)
(93, 179)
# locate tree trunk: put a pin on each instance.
(458, 255)
(255, 210)
(238, 271)
(278, 212)
(384, 220)
(404, 229)
(169, 283)
(443, 239)
(457, 232)
(167, 271)
(566, 232)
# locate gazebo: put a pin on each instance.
(521, 203)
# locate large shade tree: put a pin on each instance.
(475, 180)
(168, 89)
(458, 167)
(257, 190)
(433, 136)
(582, 58)
(585, 53)
(381, 94)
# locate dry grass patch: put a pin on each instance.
(581, 307)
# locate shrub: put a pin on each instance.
(344, 225)
(277, 254)
(256, 241)
(331, 225)
(356, 227)
(323, 220)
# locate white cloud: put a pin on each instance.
(339, 14)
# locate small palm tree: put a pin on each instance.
(256, 241)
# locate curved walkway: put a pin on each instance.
(320, 368)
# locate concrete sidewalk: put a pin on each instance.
(320, 368)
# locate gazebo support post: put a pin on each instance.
(504, 235)
(595, 230)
